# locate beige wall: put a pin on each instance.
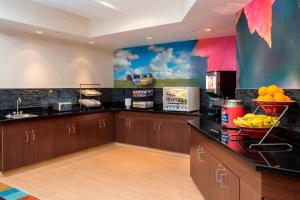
(31, 61)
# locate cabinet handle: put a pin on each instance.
(218, 175)
(100, 124)
(129, 123)
(154, 126)
(69, 128)
(223, 174)
(33, 135)
(74, 129)
(200, 151)
(104, 124)
(27, 137)
(159, 126)
(126, 123)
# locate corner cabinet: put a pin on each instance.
(159, 131)
(35, 140)
(222, 175)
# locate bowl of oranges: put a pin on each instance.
(272, 99)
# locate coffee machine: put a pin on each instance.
(220, 85)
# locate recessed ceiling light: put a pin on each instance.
(39, 32)
(207, 29)
(149, 38)
(106, 4)
(91, 42)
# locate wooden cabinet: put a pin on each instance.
(129, 130)
(42, 143)
(247, 192)
(200, 166)
(151, 135)
(224, 185)
(65, 136)
(165, 129)
(25, 143)
(212, 177)
(16, 146)
(182, 137)
(166, 132)
(107, 129)
(122, 129)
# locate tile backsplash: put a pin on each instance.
(46, 97)
(290, 120)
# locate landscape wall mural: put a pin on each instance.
(173, 64)
(268, 43)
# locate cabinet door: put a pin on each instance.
(194, 162)
(166, 134)
(65, 140)
(136, 127)
(200, 166)
(107, 129)
(151, 134)
(88, 131)
(122, 129)
(16, 147)
(41, 143)
(182, 137)
(224, 185)
(248, 193)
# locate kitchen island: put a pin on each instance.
(228, 169)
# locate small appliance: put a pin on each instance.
(221, 83)
(128, 103)
(143, 98)
(231, 110)
(142, 104)
(62, 106)
(184, 99)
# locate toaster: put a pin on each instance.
(62, 106)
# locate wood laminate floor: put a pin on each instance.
(111, 172)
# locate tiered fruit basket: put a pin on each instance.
(277, 109)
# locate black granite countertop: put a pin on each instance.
(281, 162)
(46, 113)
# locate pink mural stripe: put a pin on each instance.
(221, 53)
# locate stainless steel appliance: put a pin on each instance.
(62, 106)
(221, 83)
(185, 99)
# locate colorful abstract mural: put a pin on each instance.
(259, 17)
(268, 44)
(221, 53)
(173, 64)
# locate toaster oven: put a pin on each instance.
(62, 106)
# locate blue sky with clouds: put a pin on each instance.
(164, 61)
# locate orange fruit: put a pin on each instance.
(281, 90)
(268, 98)
(260, 98)
(262, 91)
(287, 98)
(272, 89)
(278, 96)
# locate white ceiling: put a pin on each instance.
(93, 10)
(129, 25)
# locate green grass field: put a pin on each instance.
(160, 83)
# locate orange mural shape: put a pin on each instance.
(259, 17)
